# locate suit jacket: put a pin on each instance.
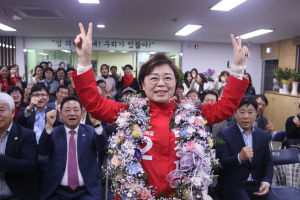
(216, 128)
(29, 121)
(51, 104)
(19, 163)
(55, 145)
(235, 174)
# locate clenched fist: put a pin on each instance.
(246, 154)
(50, 117)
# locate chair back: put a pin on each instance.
(285, 156)
(278, 136)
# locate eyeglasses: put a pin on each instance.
(38, 95)
(262, 105)
(153, 79)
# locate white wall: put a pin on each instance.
(20, 54)
(216, 55)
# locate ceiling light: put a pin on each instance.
(111, 51)
(227, 5)
(255, 33)
(6, 28)
(44, 54)
(10, 46)
(14, 47)
(3, 45)
(124, 51)
(89, 1)
(152, 53)
(187, 30)
(181, 54)
(24, 50)
(66, 51)
(100, 26)
(7, 45)
(173, 57)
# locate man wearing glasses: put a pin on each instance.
(34, 115)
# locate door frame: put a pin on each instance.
(263, 73)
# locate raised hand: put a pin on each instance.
(50, 117)
(61, 82)
(18, 83)
(296, 121)
(23, 76)
(108, 95)
(246, 153)
(83, 43)
(239, 52)
(269, 127)
(31, 71)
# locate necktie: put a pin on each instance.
(73, 180)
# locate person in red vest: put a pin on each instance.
(158, 79)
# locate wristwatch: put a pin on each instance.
(96, 126)
(30, 111)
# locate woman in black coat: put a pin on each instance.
(128, 80)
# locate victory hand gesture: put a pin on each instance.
(83, 43)
(239, 52)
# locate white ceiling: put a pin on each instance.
(152, 19)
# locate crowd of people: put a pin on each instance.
(53, 148)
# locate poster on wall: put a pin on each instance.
(57, 63)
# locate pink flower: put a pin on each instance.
(202, 133)
(197, 122)
(181, 115)
(115, 160)
(190, 145)
(145, 194)
(126, 114)
(119, 137)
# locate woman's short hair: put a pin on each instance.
(104, 65)
(48, 69)
(128, 66)
(222, 74)
(61, 64)
(14, 88)
(155, 61)
(69, 69)
(60, 69)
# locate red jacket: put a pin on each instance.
(159, 153)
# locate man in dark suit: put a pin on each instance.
(247, 168)
(72, 171)
(18, 156)
(260, 121)
(61, 92)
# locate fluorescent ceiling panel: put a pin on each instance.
(6, 28)
(188, 29)
(255, 33)
(89, 1)
(227, 5)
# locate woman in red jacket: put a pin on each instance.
(158, 79)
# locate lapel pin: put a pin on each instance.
(16, 138)
(83, 134)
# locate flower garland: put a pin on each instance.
(196, 158)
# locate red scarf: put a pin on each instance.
(127, 80)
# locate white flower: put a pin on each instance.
(121, 121)
(190, 130)
(196, 180)
(177, 119)
(188, 105)
(192, 119)
(131, 151)
(129, 194)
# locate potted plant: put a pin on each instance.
(208, 75)
(286, 75)
(296, 77)
(276, 73)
